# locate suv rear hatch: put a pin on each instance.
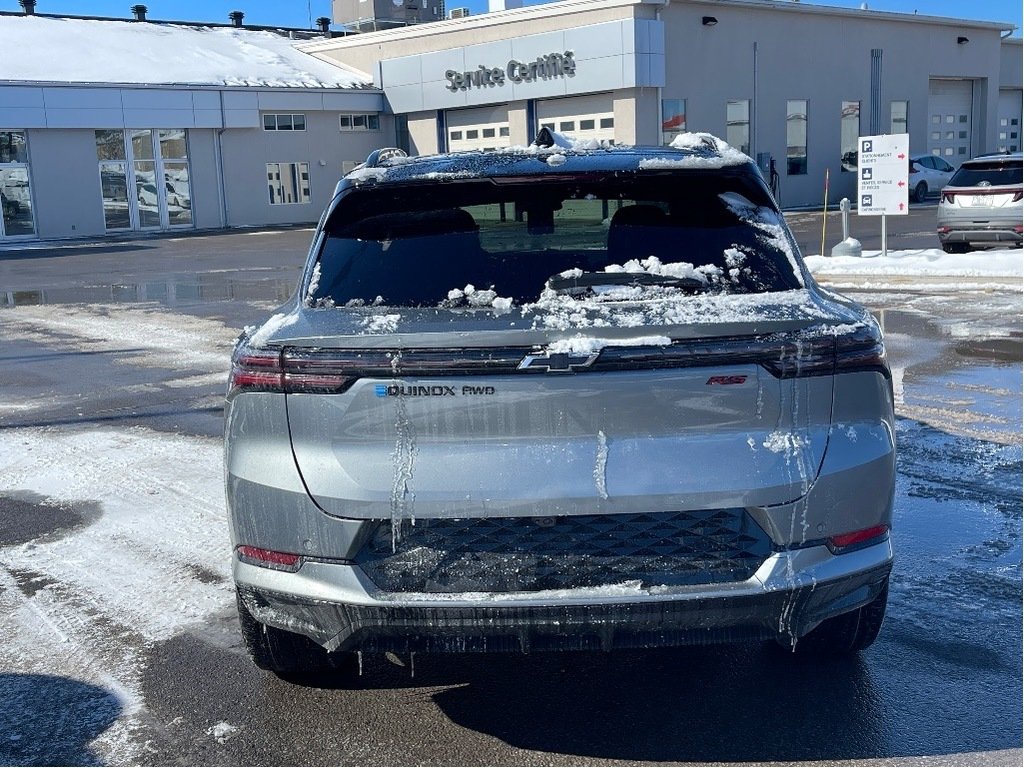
(559, 347)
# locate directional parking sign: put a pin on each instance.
(882, 171)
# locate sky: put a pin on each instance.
(303, 13)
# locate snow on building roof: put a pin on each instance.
(67, 50)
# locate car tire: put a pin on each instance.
(956, 247)
(290, 655)
(847, 633)
(920, 192)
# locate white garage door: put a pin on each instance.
(485, 128)
(1009, 121)
(949, 119)
(580, 117)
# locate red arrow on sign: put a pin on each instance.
(901, 206)
(900, 155)
(900, 184)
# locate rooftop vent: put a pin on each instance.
(29, 6)
(140, 12)
(236, 18)
(324, 22)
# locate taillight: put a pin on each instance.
(268, 558)
(913, 169)
(1018, 196)
(255, 370)
(943, 230)
(861, 350)
(316, 372)
(947, 197)
(846, 542)
(274, 370)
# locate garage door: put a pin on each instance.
(949, 119)
(485, 128)
(580, 117)
(1009, 120)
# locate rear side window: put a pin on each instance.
(422, 245)
(995, 174)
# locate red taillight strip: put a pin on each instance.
(255, 371)
(268, 558)
(844, 542)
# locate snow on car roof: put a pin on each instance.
(94, 51)
(691, 152)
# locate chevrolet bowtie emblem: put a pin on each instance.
(558, 362)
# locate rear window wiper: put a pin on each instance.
(578, 282)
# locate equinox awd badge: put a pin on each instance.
(435, 390)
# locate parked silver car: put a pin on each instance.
(982, 204)
(558, 397)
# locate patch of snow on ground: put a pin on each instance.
(925, 262)
(222, 731)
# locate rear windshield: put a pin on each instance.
(437, 244)
(995, 174)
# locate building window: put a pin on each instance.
(607, 122)
(488, 133)
(567, 125)
(849, 131)
(359, 122)
(796, 137)
(284, 122)
(898, 116)
(144, 178)
(16, 218)
(288, 183)
(402, 136)
(737, 124)
(673, 119)
(503, 131)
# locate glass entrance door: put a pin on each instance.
(16, 219)
(144, 179)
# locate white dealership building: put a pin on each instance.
(116, 126)
(785, 81)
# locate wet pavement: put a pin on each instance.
(113, 376)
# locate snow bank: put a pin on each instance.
(64, 50)
(927, 262)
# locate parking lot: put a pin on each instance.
(115, 591)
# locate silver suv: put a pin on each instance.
(558, 398)
(982, 204)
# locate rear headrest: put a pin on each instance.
(396, 226)
(639, 216)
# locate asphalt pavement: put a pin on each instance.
(113, 357)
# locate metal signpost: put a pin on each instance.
(882, 174)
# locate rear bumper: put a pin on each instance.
(979, 226)
(790, 594)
